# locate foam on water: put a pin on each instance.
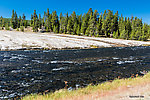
(123, 62)
(55, 62)
(115, 58)
(101, 60)
(58, 69)
(37, 61)
(16, 71)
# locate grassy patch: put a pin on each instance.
(146, 45)
(104, 87)
(93, 46)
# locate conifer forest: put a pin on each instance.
(92, 23)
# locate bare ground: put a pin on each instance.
(13, 40)
(138, 92)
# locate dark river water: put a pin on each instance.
(26, 72)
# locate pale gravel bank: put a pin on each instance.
(11, 40)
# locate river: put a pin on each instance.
(26, 72)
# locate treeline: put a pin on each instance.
(4, 22)
(107, 24)
(14, 22)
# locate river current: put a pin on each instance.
(26, 72)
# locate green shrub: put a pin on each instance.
(17, 29)
(22, 28)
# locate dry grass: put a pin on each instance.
(146, 45)
(101, 88)
(93, 46)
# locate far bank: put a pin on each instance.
(14, 40)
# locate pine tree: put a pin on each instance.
(90, 11)
(92, 26)
(1, 19)
(61, 23)
(7, 26)
(79, 20)
(145, 32)
(79, 23)
(128, 28)
(23, 20)
(116, 34)
(95, 18)
(74, 22)
(54, 20)
(132, 35)
(138, 34)
(75, 27)
(19, 21)
(3, 23)
(47, 19)
(124, 33)
(66, 23)
(56, 29)
(36, 26)
(22, 28)
(95, 15)
(84, 25)
(15, 23)
(48, 23)
(99, 26)
(26, 24)
(35, 22)
(47, 14)
(105, 27)
(13, 19)
(40, 21)
(43, 22)
(31, 22)
(78, 30)
(136, 29)
(74, 18)
(104, 15)
(109, 18)
(114, 23)
(104, 24)
(69, 26)
(121, 26)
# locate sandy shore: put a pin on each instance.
(11, 40)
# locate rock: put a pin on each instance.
(11, 29)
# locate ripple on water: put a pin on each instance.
(55, 62)
(16, 71)
(46, 50)
(101, 60)
(58, 69)
(12, 95)
(13, 58)
(23, 77)
(6, 55)
(123, 62)
(37, 61)
(24, 84)
(90, 61)
(115, 58)
(4, 97)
